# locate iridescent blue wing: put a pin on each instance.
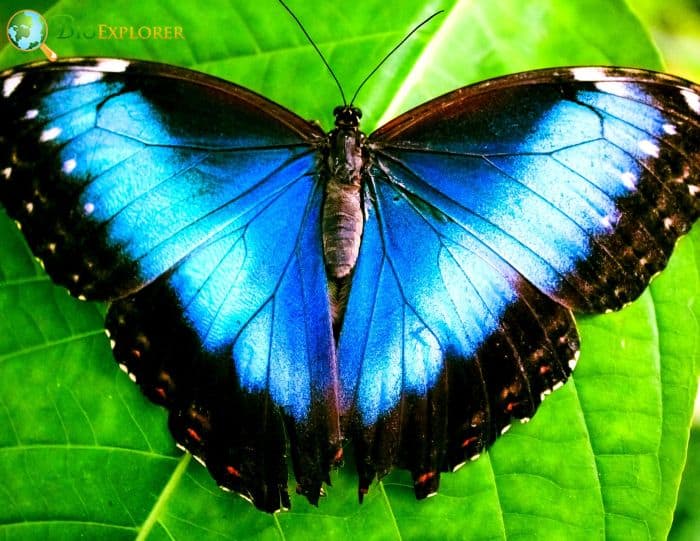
(193, 205)
(491, 213)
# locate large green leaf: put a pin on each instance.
(82, 453)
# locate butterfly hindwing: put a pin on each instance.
(492, 211)
(444, 349)
(193, 205)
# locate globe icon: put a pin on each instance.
(27, 30)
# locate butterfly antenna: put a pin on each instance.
(426, 21)
(313, 44)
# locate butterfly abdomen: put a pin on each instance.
(342, 207)
(342, 228)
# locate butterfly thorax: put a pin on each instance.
(342, 208)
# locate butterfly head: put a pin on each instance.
(347, 116)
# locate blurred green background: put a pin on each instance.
(675, 27)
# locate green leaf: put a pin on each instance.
(686, 522)
(677, 32)
(82, 453)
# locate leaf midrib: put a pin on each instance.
(154, 515)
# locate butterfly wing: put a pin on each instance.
(193, 205)
(491, 213)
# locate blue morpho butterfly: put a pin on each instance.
(409, 291)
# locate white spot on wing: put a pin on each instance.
(629, 180)
(505, 429)
(692, 99)
(670, 129)
(11, 83)
(557, 385)
(693, 189)
(246, 498)
(30, 207)
(50, 134)
(474, 457)
(31, 113)
(69, 165)
(132, 377)
(605, 222)
(524, 420)
(88, 209)
(649, 148)
(614, 87)
(7, 172)
(589, 74)
(112, 65)
(86, 77)
(668, 222)
(458, 466)
(123, 368)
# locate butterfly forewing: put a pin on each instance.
(581, 178)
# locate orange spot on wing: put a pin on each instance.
(425, 477)
(469, 441)
(233, 471)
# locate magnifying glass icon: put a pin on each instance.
(27, 31)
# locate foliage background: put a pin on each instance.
(83, 454)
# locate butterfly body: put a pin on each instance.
(342, 206)
(409, 293)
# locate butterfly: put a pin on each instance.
(409, 291)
